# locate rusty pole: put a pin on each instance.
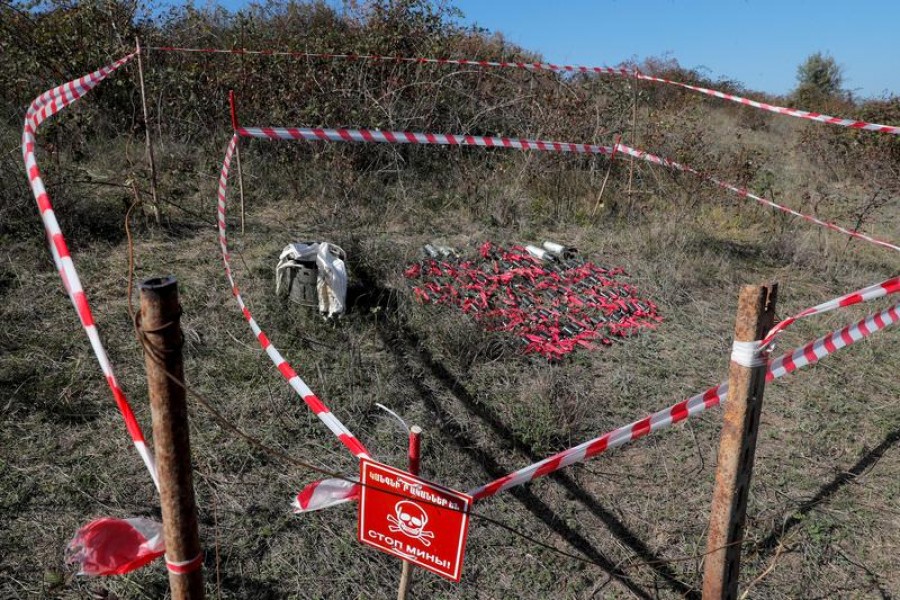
(415, 454)
(737, 446)
(160, 331)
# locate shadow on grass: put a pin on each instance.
(405, 345)
(248, 587)
(828, 490)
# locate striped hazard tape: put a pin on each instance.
(284, 367)
(878, 290)
(745, 193)
(313, 134)
(331, 492)
(781, 110)
(44, 106)
(322, 494)
(445, 139)
(550, 67)
(801, 357)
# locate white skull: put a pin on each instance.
(410, 518)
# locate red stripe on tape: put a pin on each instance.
(680, 411)
(286, 370)
(789, 364)
(84, 310)
(640, 429)
(43, 202)
(492, 488)
(864, 329)
(60, 244)
(809, 353)
(711, 396)
(851, 300)
(353, 444)
(548, 467)
(316, 405)
(598, 446)
(845, 335)
(306, 494)
(185, 567)
(131, 424)
(263, 340)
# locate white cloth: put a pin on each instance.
(331, 284)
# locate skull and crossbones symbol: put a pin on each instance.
(410, 520)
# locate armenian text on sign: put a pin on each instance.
(413, 519)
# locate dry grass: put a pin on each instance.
(825, 489)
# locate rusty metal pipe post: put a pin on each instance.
(737, 448)
(160, 331)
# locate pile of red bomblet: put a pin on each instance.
(553, 306)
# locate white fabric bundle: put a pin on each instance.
(332, 273)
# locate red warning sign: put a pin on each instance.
(416, 520)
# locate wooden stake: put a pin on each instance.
(415, 439)
(633, 130)
(162, 338)
(606, 177)
(232, 103)
(150, 157)
(737, 448)
(237, 157)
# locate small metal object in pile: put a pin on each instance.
(549, 297)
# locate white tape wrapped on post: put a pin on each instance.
(748, 354)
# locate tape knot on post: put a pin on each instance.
(748, 354)
(186, 566)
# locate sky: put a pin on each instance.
(758, 43)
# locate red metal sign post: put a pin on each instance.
(413, 519)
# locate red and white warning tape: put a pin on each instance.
(312, 134)
(745, 193)
(330, 492)
(283, 366)
(44, 106)
(790, 362)
(635, 430)
(539, 66)
(781, 110)
(408, 137)
(878, 290)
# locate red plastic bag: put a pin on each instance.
(115, 546)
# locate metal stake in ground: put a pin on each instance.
(160, 331)
(737, 445)
(415, 441)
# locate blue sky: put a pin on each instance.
(759, 43)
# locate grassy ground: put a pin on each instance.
(822, 520)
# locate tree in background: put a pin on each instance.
(819, 80)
